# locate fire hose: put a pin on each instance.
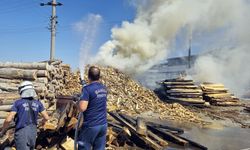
(80, 116)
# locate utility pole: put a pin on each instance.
(189, 51)
(53, 23)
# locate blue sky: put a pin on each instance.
(24, 35)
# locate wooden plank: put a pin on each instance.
(177, 80)
(148, 140)
(149, 133)
(187, 100)
(178, 83)
(182, 86)
(184, 91)
(186, 95)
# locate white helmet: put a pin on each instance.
(25, 85)
(26, 89)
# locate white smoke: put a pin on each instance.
(88, 27)
(216, 24)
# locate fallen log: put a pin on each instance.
(34, 65)
(42, 80)
(12, 73)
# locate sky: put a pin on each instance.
(24, 34)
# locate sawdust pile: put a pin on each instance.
(125, 94)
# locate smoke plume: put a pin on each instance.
(88, 27)
(215, 24)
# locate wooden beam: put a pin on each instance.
(149, 141)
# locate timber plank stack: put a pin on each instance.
(217, 94)
(183, 91)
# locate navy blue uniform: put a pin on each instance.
(93, 132)
(25, 134)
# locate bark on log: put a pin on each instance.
(34, 65)
(5, 107)
(12, 73)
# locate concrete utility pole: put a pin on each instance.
(53, 23)
(189, 51)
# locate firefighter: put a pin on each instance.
(94, 108)
(25, 114)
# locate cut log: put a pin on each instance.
(34, 65)
(8, 87)
(3, 114)
(9, 96)
(141, 127)
(5, 107)
(7, 102)
(42, 73)
(2, 80)
(42, 80)
(12, 73)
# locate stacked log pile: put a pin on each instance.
(127, 95)
(217, 94)
(183, 91)
(49, 79)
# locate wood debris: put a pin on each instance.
(127, 95)
(217, 94)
